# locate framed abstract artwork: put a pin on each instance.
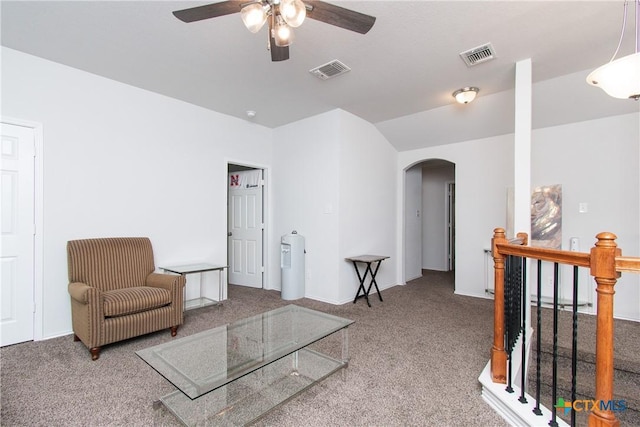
(546, 217)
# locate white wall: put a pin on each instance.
(597, 163)
(334, 182)
(121, 161)
(368, 197)
(434, 221)
(483, 172)
(413, 218)
(306, 198)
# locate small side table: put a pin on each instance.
(368, 260)
(200, 268)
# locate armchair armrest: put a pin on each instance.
(174, 284)
(86, 312)
(167, 281)
(83, 293)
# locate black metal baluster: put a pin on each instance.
(513, 327)
(508, 290)
(537, 409)
(554, 376)
(574, 344)
(523, 308)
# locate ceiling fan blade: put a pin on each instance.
(209, 11)
(339, 16)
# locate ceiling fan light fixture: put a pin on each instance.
(282, 33)
(293, 12)
(254, 16)
(466, 94)
(620, 78)
(281, 16)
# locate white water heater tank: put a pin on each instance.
(292, 265)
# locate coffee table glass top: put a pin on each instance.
(202, 362)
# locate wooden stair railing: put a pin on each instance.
(606, 263)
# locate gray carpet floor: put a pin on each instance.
(415, 360)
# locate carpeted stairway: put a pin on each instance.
(626, 365)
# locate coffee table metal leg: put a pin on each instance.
(161, 414)
(220, 278)
(294, 366)
(345, 352)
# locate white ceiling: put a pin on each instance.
(403, 71)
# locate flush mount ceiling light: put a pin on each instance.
(282, 16)
(466, 94)
(620, 78)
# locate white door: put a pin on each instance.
(245, 228)
(17, 224)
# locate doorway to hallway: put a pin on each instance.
(429, 231)
(245, 225)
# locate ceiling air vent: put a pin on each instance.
(329, 70)
(478, 55)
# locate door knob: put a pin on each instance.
(229, 234)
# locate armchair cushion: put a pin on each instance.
(120, 302)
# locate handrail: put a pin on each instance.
(606, 263)
(580, 259)
(627, 264)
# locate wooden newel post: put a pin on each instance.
(603, 269)
(498, 353)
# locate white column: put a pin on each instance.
(522, 149)
(522, 180)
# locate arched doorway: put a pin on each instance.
(429, 231)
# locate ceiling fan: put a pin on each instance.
(282, 16)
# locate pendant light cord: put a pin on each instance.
(637, 21)
(624, 25)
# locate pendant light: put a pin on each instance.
(620, 78)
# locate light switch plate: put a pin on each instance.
(574, 244)
(583, 207)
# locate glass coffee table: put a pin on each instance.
(234, 374)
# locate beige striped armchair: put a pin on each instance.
(115, 293)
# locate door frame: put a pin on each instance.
(265, 212)
(450, 226)
(38, 247)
